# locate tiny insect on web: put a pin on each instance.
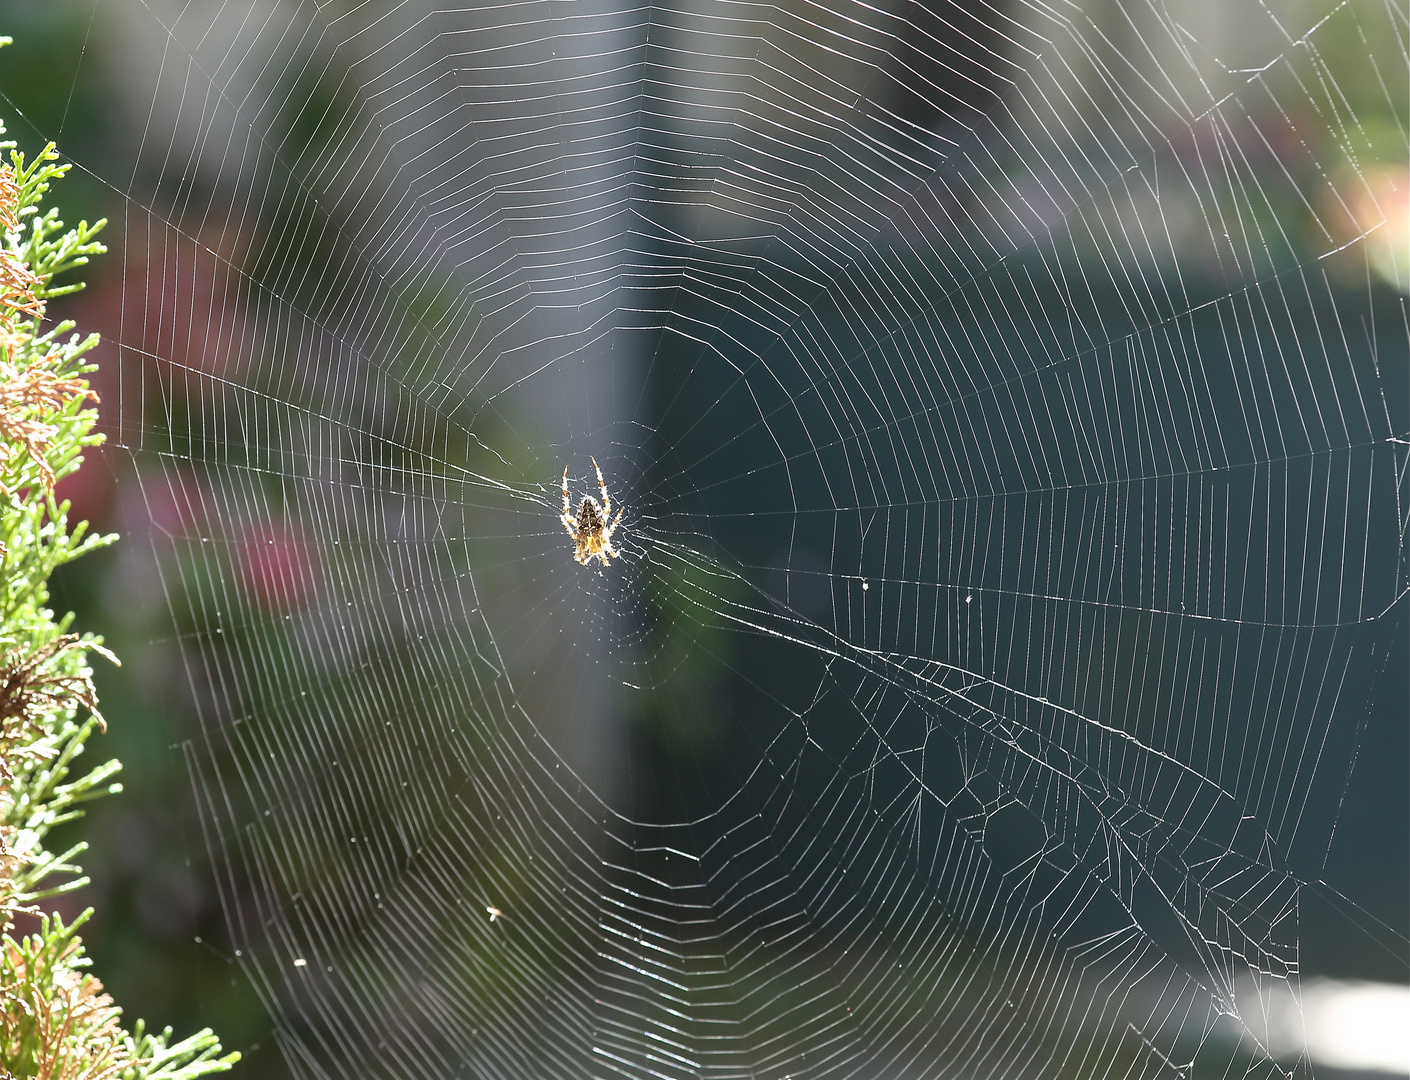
(590, 529)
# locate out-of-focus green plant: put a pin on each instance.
(55, 1021)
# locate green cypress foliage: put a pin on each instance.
(56, 1022)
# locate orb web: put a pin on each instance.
(1007, 405)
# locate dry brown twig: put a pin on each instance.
(17, 281)
(75, 1029)
(30, 689)
(26, 392)
(25, 395)
(9, 199)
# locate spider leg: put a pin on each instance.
(569, 522)
(602, 485)
(607, 529)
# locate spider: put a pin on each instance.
(591, 533)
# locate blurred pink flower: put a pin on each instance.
(277, 565)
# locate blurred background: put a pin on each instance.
(1109, 311)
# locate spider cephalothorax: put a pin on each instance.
(590, 530)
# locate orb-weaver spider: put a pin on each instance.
(591, 530)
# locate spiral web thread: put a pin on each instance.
(1008, 405)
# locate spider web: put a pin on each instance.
(1008, 407)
